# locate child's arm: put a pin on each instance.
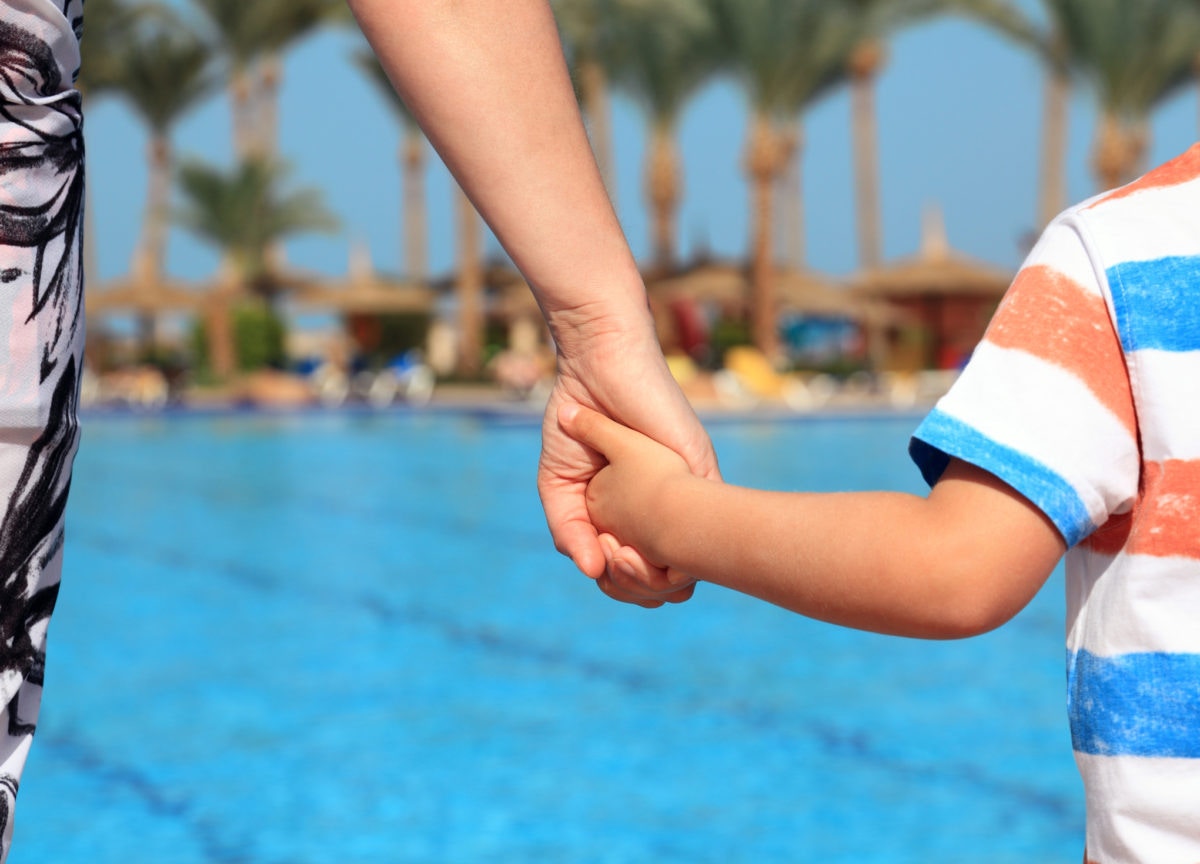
(958, 563)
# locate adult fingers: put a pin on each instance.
(570, 526)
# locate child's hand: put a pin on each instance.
(626, 497)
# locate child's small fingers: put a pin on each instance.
(591, 428)
(610, 545)
(682, 595)
(629, 569)
(616, 592)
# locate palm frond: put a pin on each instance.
(244, 211)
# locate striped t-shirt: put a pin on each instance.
(1084, 396)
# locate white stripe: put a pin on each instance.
(1042, 410)
(1061, 249)
(1168, 401)
(1121, 228)
(1158, 599)
(1141, 809)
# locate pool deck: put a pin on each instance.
(280, 393)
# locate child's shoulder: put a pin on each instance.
(1155, 217)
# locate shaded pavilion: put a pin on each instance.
(727, 285)
(942, 301)
(359, 299)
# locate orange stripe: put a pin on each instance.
(1168, 523)
(1165, 521)
(1050, 316)
(1111, 537)
(1181, 169)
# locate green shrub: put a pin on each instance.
(258, 337)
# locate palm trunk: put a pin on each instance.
(865, 65)
(241, 102)
(595, 105)
(148, 266)
(1113, 155)
(1137, 146)
(662, 191)
(416, 241)
(762, 167)
(790, 236)
(1052, 196)
(218, 314)
(263, 133)
(266, 122)
(148, 263)
(469, 288)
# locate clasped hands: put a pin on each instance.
(593, 458)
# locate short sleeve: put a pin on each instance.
(1045, 402)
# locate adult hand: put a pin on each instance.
(621, 374)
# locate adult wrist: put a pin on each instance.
(598, 310)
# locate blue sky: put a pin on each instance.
(959, 115)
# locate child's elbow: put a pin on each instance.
(977, 602)
(973, 617)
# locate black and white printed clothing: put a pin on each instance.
(41, 348)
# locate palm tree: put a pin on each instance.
(587, 34)
(107, 23)
(1137, 55)
(468, 286)
(1134, 55)
(469, 280)
(787, 54)
(880, 19)
(412, 165)
(668, 53)
(284, 23)
(163, 71)
(251, 35)
(243, 212)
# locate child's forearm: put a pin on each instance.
(958, 563)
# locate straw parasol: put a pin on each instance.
(809, 293)
(362, 292)
(125, 296)
(935, 271)
(706, 282)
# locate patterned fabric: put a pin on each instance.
(41, 348)
(1085, 397)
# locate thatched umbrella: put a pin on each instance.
(361, 292)
(949, 296)
(131, 296)
(807, 292)
(707, 282)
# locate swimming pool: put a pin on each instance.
(347, 638)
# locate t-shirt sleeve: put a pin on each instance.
(1045, 403)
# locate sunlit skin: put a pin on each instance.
(487, 81)
(957, 563)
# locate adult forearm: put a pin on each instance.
(487, 81)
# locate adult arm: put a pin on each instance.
(960, 562)
(487, 82)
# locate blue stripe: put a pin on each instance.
(1157, 303)
(1135, 704)
(941, 436)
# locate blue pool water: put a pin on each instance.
(346, 638)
